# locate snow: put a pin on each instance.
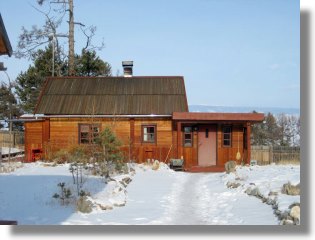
(161, 197)
(5, 150)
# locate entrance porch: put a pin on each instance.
(206, 141)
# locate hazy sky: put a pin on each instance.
(230, 52)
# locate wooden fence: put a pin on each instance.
(275, 154)
(16, 140)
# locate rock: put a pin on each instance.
(290, 189)
(156, 165)
(127, 180)
(119, 204)
(295, 213)
(270, 201)
(284, 215)
(273, 194)
(84, 205)
(106, 207)
(287, 222)
(253, 192)
(230, 166)
(123, 183)
(233, 184)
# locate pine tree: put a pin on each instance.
(89, 64)
(30, 82)
(112, 155)
(8, 106)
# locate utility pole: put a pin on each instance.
(71, 39)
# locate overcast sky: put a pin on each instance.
(230, 52)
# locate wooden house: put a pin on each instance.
(5, 45)
(148, 114)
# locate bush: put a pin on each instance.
(84, 205)
(61, 157)
(64, 195)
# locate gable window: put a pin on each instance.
(88, 133)
(188, 137)
(149, 133)
(227, 136)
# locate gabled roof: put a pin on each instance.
(5, 45)
(113, 96)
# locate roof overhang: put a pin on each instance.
(218, 117)
(41, 117)
(5, 45)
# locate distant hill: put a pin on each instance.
(273, 110)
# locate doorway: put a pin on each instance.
(207, 145)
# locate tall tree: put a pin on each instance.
(284, 133)
(8, 106)
(54, 13)
(272, 129)
(30, 82)
(89, 64)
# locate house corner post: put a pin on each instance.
(248, 125)
(179, 137)
(132, 139)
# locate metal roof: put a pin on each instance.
(197, 116)
(113, 96)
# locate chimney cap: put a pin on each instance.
(127, 63)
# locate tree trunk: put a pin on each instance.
(71, 39)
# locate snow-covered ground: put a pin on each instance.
(6, 150)
(153, 197)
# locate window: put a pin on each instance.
(227, 136)
(188, 137)
(88, 133)
(149, 133)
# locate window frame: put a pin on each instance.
(191, 137)
(227, 134)
(91, 133)
(155, 133)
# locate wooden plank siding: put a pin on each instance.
(33, 138)
(60, 133)
(225, 154)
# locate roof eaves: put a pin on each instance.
(4, 34)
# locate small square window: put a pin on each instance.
(88, 133)
(227, 136)
(149, 133)
(188, 137)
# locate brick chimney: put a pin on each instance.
(127, 65)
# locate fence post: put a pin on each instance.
(271, 154)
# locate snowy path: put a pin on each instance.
(153, 197)
(201, 199)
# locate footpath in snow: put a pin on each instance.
(152, 197)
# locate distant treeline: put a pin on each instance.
(277, 130)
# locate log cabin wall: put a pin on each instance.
(33, 138)
(54, 134)
(162, 149)
(224, 153)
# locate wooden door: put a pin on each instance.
(207, 145)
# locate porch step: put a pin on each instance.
(206, 169)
